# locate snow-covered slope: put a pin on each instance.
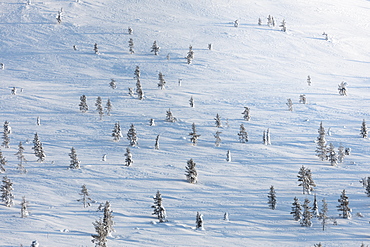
(251, 65)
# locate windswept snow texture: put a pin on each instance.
(252, 65)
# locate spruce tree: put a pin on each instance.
(290, 104)
(139, 89)
(108, 218)
(283, 26)
(343, 206)
(155, 48)
(21, 158)
(305, 179)
(6, 192)
(130, 30)
(86, 200)
(315, 208)
(131, 46)
(332, 156)
(35, 243)
(228, 156)
(38, 149)
(191, 173)
(113, 84)
(108, 107)
(99, 107)
(151, 122)
(296, 210)
(170, 117)
(193, 135)
(324, 214)
(321, 150)
(6, 133)
(162, 82)
(3, 162)
(243, 135)
(159, 210)
(132, 136)
(156, 146)
(24, 208)
(246, 113)
(191, 102)
(367, 188)
(272, 198)
(302, 99)
(306, 215)
(190, 55)
(100, 238)
(83, 104)
(199, 221)
(218, 138)
(128, 159)
(116, 132)
(364, 132)
(218, 121)
(96, 50)
(75, 163)
(309, 80)
(341, 154)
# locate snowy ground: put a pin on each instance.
(255, 66)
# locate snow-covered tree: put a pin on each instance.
(86, 200)
(159, 210)
(128, 159)
(3, 162)
(236, 23)
(35, 243)
(96, 50)
(191, 173)
(190, 55)
(266, 137)
(162, 82)
(38, 121)
(6, 192)
(228, 156)
(315, 207)
(83, 104)
(342, 88)
(364, 131)
(283, 25)
(199, 221)
(302, 99)
(59, 17)
(108, 218)
(332, 155)
(156, 146)
(309, 80)
(155, 48)
(226, 216)
(367, 188)
(272, 198)
(296, 210)
(324, 214)
(137, 72)
(218, 138)
(246, 113)
(290, 104)
(99, 107)
(113, 84)
(139, 89)
(305, 179)
(130, 30)
(108, 107)
(321, 149)
(259, 22)
(116, 132)
(74, 163)
(218, 121)
(191, 102)
(21, 158)
(132, 136)
(170, 117)
(341, 154)
(24, 208)
(131, 46)
(6, 133)
(243, 135)
(193, 135)
(325, 36)
(100, 238)
(151, 122)
(306, 215)
(343, 206)
(38, 149)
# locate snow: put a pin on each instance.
(253, 66)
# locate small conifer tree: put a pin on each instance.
(132, 136)
(96, 50)
(108, 107)
(21, 158)
(243, 135)
(367, 187)
(228, 156)
(6, 133)
(191, 102)
(341, 154)
(306, 215)
(83, 104)
(218, 138)
(246, 113)
(108, 218)
(309, 80)
(100, 238)
(131, 46)
(199, 221)
(156, 146)
(283, 26)
(272, 198)
(6, 192)
(321, 150)
(130, 30)
(116, 132)
(259, 22)
(332, 156)
(296, 210)
(170, 117)
(290, 104)
(306, 181)
(113, 84)
(86, 200)
(99, 107)
(155, 48)
(302, 99)
(190, 55)
(324, 214)
(218, 121)
(162, 82)
(343, 206)
(128, 160)
(193, 135)
(364, 132)
(315, 207)
(3, 162)
(159, 210)
(75, 163)
(38, 149)
(191, 173)
(342, 88)
(24, 208)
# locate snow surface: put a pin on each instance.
(255, 66)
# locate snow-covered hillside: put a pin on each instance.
(251, 65)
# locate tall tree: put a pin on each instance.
(343, 206)
(159, 210)
(364, 131)
(21, 158)
(38, 149)
(306, 216)
(75, 163)
(3, 162)
(315, 207)
(305, 179)
(6, 133)
(321, 149)
(108, 107)
(296, 210)
(272, 198)
(99, 107)
(332, 155)
(108, 218)
(100, 238)
(6, 191)
(324, 214)
(191, 172)
(132, 136)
